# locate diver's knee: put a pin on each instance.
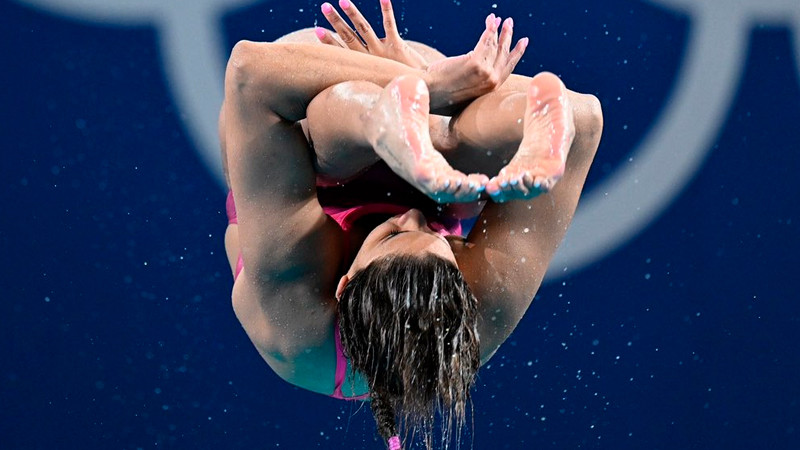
(589, 116)
(302, 36)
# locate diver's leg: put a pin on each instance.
(508, 254)
(336, 131)
(488, 132)
(342, 155)
(548, 132)
(397, 126)
(354, 124)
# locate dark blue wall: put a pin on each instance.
(117, 330)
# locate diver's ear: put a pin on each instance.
(340, 288)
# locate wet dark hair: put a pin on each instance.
(408, 323)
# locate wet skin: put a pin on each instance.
(402, 234)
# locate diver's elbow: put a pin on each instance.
(594, 116)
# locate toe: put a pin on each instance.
(455, 185)
(520, 189)
(528, 179)
(493, 187)
(542, 184)
(479, 182)
(508, 185)
(445, 185)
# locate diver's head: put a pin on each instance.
(403, 234)
(408, 323)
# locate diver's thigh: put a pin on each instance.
(304, 36)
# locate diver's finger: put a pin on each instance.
(326, 37)
(347, 35)
(389, 24)
(487, 43)
(515, 56)
(361, 25)
(504, 42)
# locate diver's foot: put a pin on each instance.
(397, 128)
(547, 136)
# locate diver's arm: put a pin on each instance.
(290, 75)
(284, 296)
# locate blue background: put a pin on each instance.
(117, 329)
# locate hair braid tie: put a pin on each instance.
(394, 443)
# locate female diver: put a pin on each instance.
(352, 277)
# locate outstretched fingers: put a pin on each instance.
(363, 38)
(504, 41)
(486, 49)
(507, 59)
(515, 55)
(389, 24)
(361, 25)
(495, 53)
(326, 37)
(348, 36)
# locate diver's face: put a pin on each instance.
(404, 234)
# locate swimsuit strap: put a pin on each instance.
(230, 209)
(341, 367)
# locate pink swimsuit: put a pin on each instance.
(346, 217)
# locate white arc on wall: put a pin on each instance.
(193, 51)
(676, 145)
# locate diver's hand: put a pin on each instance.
(363, 39)
(460, 79)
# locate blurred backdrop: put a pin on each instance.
(669, 319)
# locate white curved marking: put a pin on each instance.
(192, 52)
(140, 12)
(671, 153)
(194, 61)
